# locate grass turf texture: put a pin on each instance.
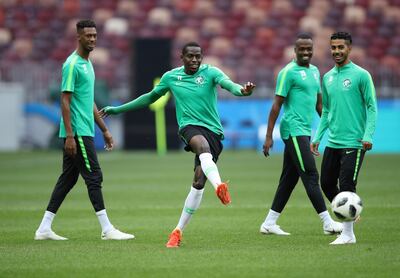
(144, 195)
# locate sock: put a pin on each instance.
(325, 217)
(192, 203)
(210, 169)
(348, 228)
(271, 218)
(47, 220)
(104, 221)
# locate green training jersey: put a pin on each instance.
(78, 78)
(299, 86)
(349, 107)
(196, 95)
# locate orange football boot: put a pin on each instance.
(223, 193)
(174, 239)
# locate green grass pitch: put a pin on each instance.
(144, 195)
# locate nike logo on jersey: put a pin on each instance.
(348, 152)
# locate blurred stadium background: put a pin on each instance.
(249, 39)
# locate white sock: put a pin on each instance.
(192, 203)
(47, 220)
(348, 228)
(271, 218)
(104, 221)
(210, 169)
(325, 217)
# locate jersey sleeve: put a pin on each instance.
(220, 78)
(283, 82)
(369, 96)
(69, 75)
(323, 123)
(163, 86)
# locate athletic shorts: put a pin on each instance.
(214, 140)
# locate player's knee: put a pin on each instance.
(95, 179)
(198, 185)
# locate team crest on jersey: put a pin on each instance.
(303, 74)
(199, 80)
(347, 83)
(316, 77)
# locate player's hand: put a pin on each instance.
(107, 111)
(366, 145)
(314, 148)
(268, 144)
(70, 146)
(108, 140)
(248, 89)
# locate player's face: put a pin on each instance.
(87, 38)
(340, 51)
(304, 51)
(191, 59)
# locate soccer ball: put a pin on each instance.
(347, 206)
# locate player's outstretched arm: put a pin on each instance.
(237, 89)
(140, 102)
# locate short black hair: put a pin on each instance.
(85, 23)
(342, 36)
(304, 35)
(189, 44)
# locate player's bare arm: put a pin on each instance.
(273, 115)
(108, 139)
(70, 145)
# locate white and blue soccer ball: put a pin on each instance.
(347, 206)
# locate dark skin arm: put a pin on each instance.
(273, 115)
(319, 104)
(108, 139)
(70, 145)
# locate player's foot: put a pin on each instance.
(333, 228)
(115, 234)
(49, 234)
(344, 239)
(223, 193)
(174, 239)
(273, 230)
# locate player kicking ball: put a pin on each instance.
(194, 89)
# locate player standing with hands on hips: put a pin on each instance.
(194, 89)
(349, 112)
(79, 112)
(298, 90)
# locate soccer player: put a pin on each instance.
(79, 112)
(298, 90)
(194, 88)
(349, 112)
